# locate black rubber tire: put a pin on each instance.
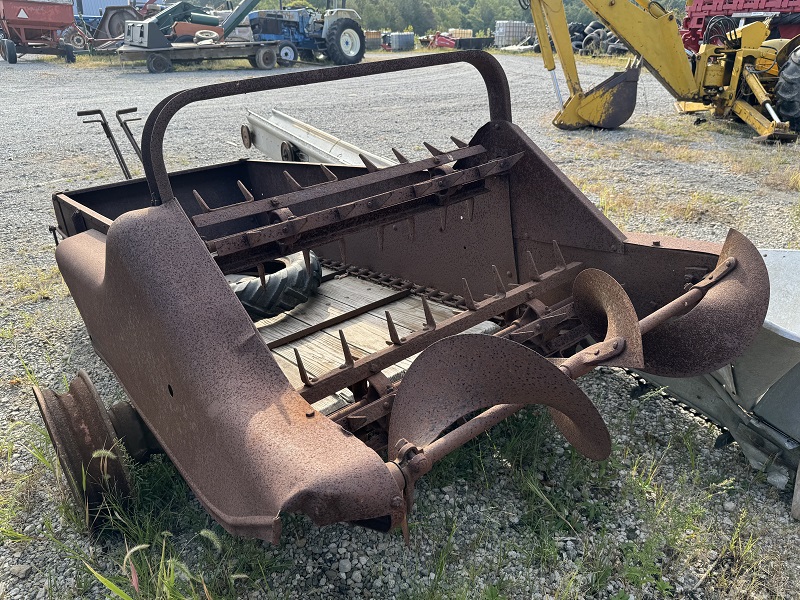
(252, 61)
(69, 53)
(341, 40)
(265, 58)
(787, 91)
(287, 53)
(287, 286)
(10, 51)
(307, 56)
(158, 63)
(591, 43)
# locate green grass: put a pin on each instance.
(160, 543)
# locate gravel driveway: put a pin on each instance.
(476, 532)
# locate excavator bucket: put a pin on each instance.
(607, 105)
(482, 260)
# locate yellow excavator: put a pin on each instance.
(739, 72)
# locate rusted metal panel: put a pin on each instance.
(491, 227)
(209, 389)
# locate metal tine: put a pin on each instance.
(470, 209)
(329, 175)
(248, 196)
(412, 227)
(371, 167)
(343, 250)
(307, 260)
(296, 187)
(533, 272)
(433, 149)
(381, 229)
(399, 156)
(468, 299)
(393, 335)
(262, 275)
(498, 281)
(560, 262)
(458, 142)
(348, 357)
(309, 381)
(430, 322)
(203, 206)
(443, 218)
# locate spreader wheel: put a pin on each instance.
(87, 447)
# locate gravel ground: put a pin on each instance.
(661, 173)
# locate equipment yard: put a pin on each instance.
(516, 513)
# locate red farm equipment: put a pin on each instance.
(35, 28)
(712, 19)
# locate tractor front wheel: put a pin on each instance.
(787, 91)
(345, 42)
(287, 54)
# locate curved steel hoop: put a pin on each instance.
(153, 134)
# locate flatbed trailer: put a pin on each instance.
(261, 55)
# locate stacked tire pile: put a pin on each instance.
(592, 40)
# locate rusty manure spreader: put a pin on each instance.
(483, 261)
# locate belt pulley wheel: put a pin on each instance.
(85, 442)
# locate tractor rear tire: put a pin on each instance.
(287, 54)
(345, 43)
(787, 91)
(265, 58)
(288, 285)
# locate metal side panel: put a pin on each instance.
(317, 145)
(780, 406)
(248, 445)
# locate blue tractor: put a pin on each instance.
(305, 33)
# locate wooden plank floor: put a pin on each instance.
(366, 333)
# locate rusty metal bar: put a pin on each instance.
(683, 304)
(479, 424)
(302, 194)
(336, 380)
(154, 129)
(346, 216)
(298, 335)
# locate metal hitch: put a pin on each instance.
(326, 412)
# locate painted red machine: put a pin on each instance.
(34, 28)
(720, 15)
